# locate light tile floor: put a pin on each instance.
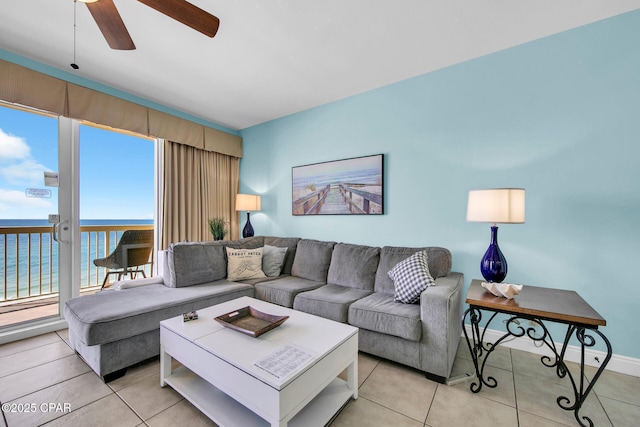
(44, 370)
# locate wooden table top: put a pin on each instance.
(545, 303)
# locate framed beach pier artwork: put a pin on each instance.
(341, 187)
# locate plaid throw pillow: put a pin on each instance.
(411, 277)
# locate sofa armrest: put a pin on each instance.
(441, 315)
(134, 283)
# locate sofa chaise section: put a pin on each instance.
(112, 330)
(115, 329)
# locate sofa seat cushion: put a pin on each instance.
(378, 312)
(329, 301)
(283, 290)
(109, 316)
(260, 280)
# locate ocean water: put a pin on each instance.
(19, 277)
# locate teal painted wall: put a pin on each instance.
(559, 116)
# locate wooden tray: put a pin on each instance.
(250, 321)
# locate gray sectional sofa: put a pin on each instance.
(114, 329)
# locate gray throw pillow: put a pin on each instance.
(273, 260)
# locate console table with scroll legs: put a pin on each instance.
(537, 305)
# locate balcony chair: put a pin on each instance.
(133, 251)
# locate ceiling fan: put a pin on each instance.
(110, 23)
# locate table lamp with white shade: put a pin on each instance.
(247, 202)
(495, 205)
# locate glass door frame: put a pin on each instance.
(69, 209)
(69, 246)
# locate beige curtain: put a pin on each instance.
(197, 185)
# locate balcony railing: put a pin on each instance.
(29, 258)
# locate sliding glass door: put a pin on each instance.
(36, 216)
(116, 195)
(52, 228)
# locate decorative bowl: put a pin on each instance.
(505, 290)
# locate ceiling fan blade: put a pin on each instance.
(108, 18)
(187, 13)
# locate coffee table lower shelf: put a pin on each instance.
(226, 411)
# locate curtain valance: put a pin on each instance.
(30, 88)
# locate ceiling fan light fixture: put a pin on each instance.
(88, 1)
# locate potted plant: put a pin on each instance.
(218, 228)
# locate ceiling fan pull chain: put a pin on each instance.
(75, 12)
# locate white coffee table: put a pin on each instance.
(219, 375)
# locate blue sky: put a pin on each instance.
(116, 170)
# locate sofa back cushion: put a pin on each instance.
(291, 243)
(354, 266)
(194, 263)
(312, 260)
(439, 261)
(253, 242)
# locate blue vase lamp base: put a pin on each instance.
(493, 265)
(247, 231)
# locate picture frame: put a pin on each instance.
(353, 186)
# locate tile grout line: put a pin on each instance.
(140, 417)
(133, 410)
(366, 378)
(515, 392)
(75, 354)
(433, 398)
(32, 348)
(597, 397)
(4, 417)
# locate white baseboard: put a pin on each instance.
(617, 363)
(42, 327)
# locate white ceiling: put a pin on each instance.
(272, 58)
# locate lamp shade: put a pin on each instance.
(247, 202)
(496, 205)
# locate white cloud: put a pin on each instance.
(12, 202)
(27, 172)
(13, 147)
